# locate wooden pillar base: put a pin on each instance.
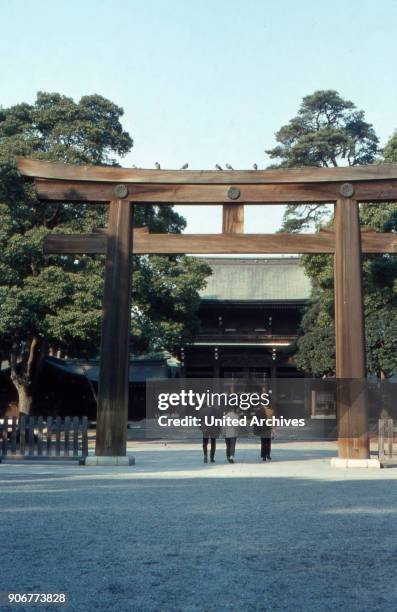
(356, 463)
(107, 461)
(353, 439)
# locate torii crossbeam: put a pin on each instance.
(122, 188)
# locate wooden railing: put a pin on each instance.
(261, 338)
(386, 439)
(30, 437)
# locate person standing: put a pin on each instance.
(265, 431)
(210, 430)
(230, 432)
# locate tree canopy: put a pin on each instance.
(316, 344)
(327, 131)
(57, 301)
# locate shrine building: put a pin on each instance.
(250, 313)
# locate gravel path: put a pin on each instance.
(172, 534)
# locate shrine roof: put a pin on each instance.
(256, 279)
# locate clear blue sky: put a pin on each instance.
(206, 81)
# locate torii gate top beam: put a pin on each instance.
(106, 174)
(65, 182)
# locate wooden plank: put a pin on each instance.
(4, 437)
(198, 243)
(70, 172)
(390, 434)
(43, 458)
(31, 436)
(76, 421)
(40, 436)
(75, 243)
(58, 428)
(349, 334)
(84, 436)
(381, 191)
(373, 242)
(187, 194)
(22, 434)
(111, 430)
(322, 242)
(13, 435)
(49, 436)
(381, 439)
(376, 191)
(67, 435)
(82, 243)
(233, 219)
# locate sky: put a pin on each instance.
(204, 82)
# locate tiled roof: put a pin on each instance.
(266, 279)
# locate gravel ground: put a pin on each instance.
(173, 534)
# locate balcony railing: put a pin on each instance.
(245, 337)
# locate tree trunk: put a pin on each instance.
(26, 359)
(25, 399)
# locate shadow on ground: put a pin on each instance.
(119, 540)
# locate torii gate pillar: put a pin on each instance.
(349, 333)
(112, 413)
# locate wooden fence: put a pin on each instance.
(30, 437)
(386, 439)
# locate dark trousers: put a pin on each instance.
(266, 444)
(213, 447)
(230, 447)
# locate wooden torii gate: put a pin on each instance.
(122, 188)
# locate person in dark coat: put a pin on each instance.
(209, 431)
(265, 431)
(230, 432)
